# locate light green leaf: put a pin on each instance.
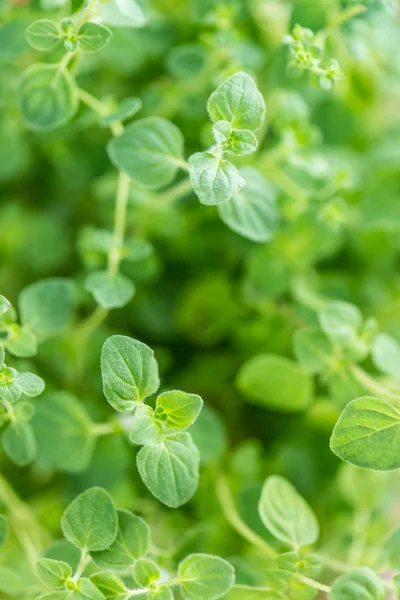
(313, 349)
(19, 443)
(59, 595)
(209, 435)
(2, 356)
(110, 585)
(47, 306)
(132, 542)
(386, 354)
(177, 409)
(86, 590)
(4, 305)
(22, 343)
(145, 430)
(145, 572)
(163, 593)
(110, 291)
(129, 371)
(340, 321)
(149, 151)
(42, 35)
(122, 13)
(3, 530)
(359, 584)
(205, 576)
(93, 37)
(53, 573)
(30, 384)
(252, 212)
(64, 433)
(366, 434)
(238, 101)
(24, 411)
(276, 382)
(213, 179)
(9, 389)
(47, 96)
(90, 522)
(170, 469)
(126, 109)
(246, 592)
(237, 142)
(11, 583)
(286, 514)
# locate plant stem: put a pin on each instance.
(101, 429)
(361, 521)
(234, 519)
(83, 563)
(99, 108)
(119, 223)
(314, 584)
(178, 190)
(30, 533)
(138, 592)
(372, 385)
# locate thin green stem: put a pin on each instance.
(361, 521)
(234, 519)
(287, 185)
(372, 385)
(119, 223)
(101, 429)
(83, 563)
(91, 7)
(99, 108)
(314, 584)
(132, 593)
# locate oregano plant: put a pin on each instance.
(199, 319)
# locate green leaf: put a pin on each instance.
(163, 593)
(24, 411)
(47, 97)
(386, 354)
(3, 530)
(132, 542)
(53, 573)
(11, 583)
(22, 343)
(129, 371)
(391, 549)
(313, 349)
(359, 584)
(340, 321)
(110, 291)
(205, 576)
(86, 590)
(238, 101)
(145, 429)
(110, 586)
(246, 592)
(60, 595)
(47, 306)
(122, 13)
(276, 382)
(209, 435)
(30, 384)
(93, 37)
(64, 432)
(213, 179)
(4, 305)
(126, 109)
(2, 355)
(9, 389)
(286, 514)
(90, 522)
(252, 212)
(145, 572)
(42, 35)
(19, 443)
(149, 151)
(366, 434)
(237, 142)
(177, 409)
(170, 469)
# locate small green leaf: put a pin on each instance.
(276, 382)
(386, 354)
(47, 306)
(42, 35)
(145, 430)
(129, 371)
(132, 542)
(64, 432)
(237, 142)
(86, 590)
(170, 469)
(2, 355)
(213, 179)
(313, 349)
(24, 411)
(4, 305)
(47, 96)
(238, 101)
(19, 443)
(145, 572)
(163, 593)
(9, 389)
(366, 434)
(209, 435)
(340, 321)
(122, 13)
(110, 586)
(359, 584)
(3, 530)
(93, 37)
(126, 109)
(252, 212)
(178, 410)
(53, 573)
(110, 291)
(149, 151)
(22, 343)
(59, 595)
(205, 576)
(90, 522)
(286, 514)
(30, 384)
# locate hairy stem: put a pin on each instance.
(372, 385)
(314, 584)
(119, 223)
